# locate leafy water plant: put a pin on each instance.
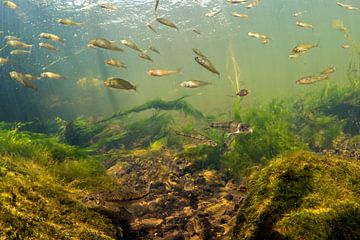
(273, 126)
(302, 196)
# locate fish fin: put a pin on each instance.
(136, 88)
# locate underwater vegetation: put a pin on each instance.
(41, 182)
(302, 196)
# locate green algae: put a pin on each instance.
(302, 196)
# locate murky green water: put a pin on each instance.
(265, 68)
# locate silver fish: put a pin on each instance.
(193, 84)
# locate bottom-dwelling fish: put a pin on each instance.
(198, 137)
(233, 127)
(119, 83)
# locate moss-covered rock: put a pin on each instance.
(302, 196)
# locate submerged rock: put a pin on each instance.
(302, 196)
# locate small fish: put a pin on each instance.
(304, 25)
(237, 1)
(68, 22)
(11, 38)
(296, 55)
(115, 63)
(24, 79)
(264, 39)
(240, 15)
(107, 6)
(156, 5)
(48, 46)
(252, 4)
(328, 71)
(51, 37)
(311, 79)
(4, 61)
(19, 51)
(152, 48)
(18, 44)
(51, 75)
(243, 92)
(196, 31)
(303, 47)
(346, 6)
(233, 127)
(131, 45)
(345, 46)
(9, 4)
(212, 13)
(193, 84)
(119, 83)
(145, 56)
(204, 62)
(105, 44)
(199, 137)
(161, 72)
(167, 22)
(151, 28)
(298, 14)
(197, 52)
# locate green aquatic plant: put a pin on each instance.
(158, 104)
(273, 126)
(302, 196)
